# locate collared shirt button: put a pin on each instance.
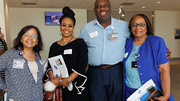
(142, 81)
(140, 73)
(139, 66)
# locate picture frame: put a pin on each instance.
(52, 18)
(177, 33)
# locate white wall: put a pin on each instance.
(7, 23)
(20, 17)
(2, 18)
(164, 24)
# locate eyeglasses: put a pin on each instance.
(33, 36)
(140, 24)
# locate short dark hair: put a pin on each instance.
(148, 24)
(17, 41)
(67, 12)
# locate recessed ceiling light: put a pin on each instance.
(143, 7)
(158, 2)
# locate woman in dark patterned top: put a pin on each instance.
(74, 52)
(23, 68)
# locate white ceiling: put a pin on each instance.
(151, 5)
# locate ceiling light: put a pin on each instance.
(143, 7)
(121, 13)
(158, 2)
(29, 4)
(127, 3)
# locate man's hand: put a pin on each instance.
(168, 55)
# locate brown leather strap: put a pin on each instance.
(106, 66)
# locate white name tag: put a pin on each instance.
(94, 34)
(18, 64)
(125, 55)
(68, 51)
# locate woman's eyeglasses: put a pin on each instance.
(136, 24)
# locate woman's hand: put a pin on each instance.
(55, 80)
(161, 98)
(65, 82)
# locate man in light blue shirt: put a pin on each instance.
(105, 38)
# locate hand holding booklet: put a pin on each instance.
(146, 92)
(59, 68)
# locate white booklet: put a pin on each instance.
(144, 92)
(58, 66)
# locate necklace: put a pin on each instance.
(135, 50)
(66, 42)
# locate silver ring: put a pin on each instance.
(60, 80)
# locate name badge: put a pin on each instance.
(126, 54)
(94, 34)
(68, 51)
(134, 65)
(113, 36)
(18, 64)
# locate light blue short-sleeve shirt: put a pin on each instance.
(101, 50)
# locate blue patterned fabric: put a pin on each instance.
(20, 83)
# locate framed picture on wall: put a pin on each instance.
(177, 33)
(52, 18)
